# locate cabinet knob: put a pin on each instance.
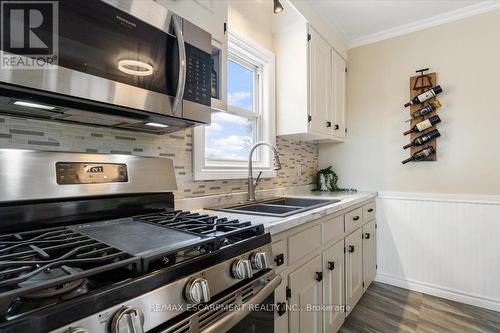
(351, 248)
(370, 210)
(355, 218)
(281, 308)
(331, 265)
(336, 127)
(328, 124)
(319, 276)
(279, 259)
(367, 236)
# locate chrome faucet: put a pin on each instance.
(276, 166)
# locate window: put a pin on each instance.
(221, 149)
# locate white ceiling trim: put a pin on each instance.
(451, 16)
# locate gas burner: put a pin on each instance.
(53, 291)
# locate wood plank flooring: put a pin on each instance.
(388, 309)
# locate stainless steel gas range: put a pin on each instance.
(92, 243)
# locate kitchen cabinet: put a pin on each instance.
(310, 82)
(337, 247)
(369, 253)
(210, 15)
(305, 285)
(333, 287)
(353, 269)
(321, 115)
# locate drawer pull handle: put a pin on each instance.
(281, 308)
(370, 210)
(367, 236)
(279, 259)
(331, 265)
(319, 276)
(351, 248)
(355, 218)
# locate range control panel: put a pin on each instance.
(198, 74)
(70, 173)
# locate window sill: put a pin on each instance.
(230, 174)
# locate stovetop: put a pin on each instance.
(47, 267)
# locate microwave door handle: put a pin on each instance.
(181, 81)
(232, 318)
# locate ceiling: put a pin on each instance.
(366, 21)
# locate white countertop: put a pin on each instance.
(276, 225)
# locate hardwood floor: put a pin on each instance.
(388, 309)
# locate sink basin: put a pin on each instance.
(280, 207)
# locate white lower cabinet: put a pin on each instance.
(353, 269)
(333, 287)
(369, 253)
(305, 287)
(325, 266)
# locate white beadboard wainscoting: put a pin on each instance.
(443, 245)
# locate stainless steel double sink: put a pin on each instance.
(279, 207)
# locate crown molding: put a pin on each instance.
(451, 16)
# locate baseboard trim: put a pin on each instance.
(439, 291)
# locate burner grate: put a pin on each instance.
(28, 258)
(229, 231)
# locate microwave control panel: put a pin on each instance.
(198, 74)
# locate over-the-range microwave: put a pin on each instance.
(128, 64)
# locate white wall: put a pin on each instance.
(435, 234)
(441, 245)
(466, 56)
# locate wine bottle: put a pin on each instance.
(425, 96)
(425, 110)
(424, 138)
(421, 154)
(423, 125)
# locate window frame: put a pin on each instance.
(241, 47)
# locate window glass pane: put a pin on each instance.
(240, 82)
(229, 137)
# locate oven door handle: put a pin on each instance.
(181, 80)
(232, 318)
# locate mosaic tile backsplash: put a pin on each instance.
(20, 133)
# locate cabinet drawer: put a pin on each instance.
(353, 220)
(368, 212)
(303, 243)
(333, 229)
(279, 254)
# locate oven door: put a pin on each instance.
(246, 309)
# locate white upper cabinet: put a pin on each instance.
(310, 81)
(210, 15)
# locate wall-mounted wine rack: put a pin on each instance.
(419, 84)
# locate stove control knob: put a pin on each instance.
(197, 291)
(128, 320)
(242, 269)
(259, 260)
(77, 330)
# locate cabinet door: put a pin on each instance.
(333, 287)
(305, 291)
(369, 253)
(353, 269)
(319, 84)
(281, 313)
(210, 15)
(338, 94)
